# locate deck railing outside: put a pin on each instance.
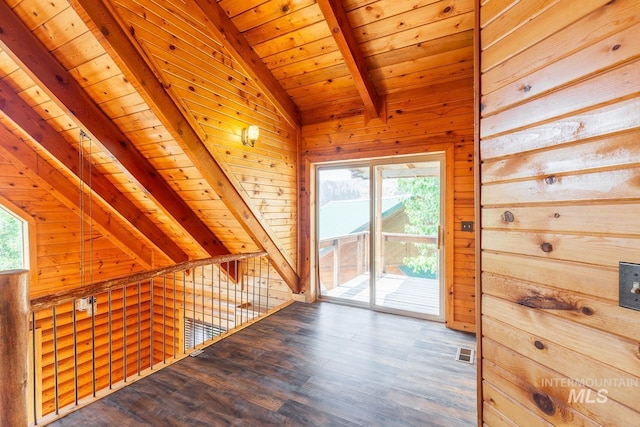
(86, 343)
(346, 257)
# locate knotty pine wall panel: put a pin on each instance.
(220, 100)
(76, 49)
(560, 178)
(418, 122)
(58, 234)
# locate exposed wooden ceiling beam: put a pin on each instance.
(338, 22)
(66, 191)
(33, 57)
(117, 42)
(226, 32)
(25, 117)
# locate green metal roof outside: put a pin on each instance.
(343, 217)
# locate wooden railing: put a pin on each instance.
(86, 343)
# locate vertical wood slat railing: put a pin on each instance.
(89, 342)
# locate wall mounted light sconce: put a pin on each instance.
(250, 135)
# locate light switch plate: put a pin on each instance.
(629, 285)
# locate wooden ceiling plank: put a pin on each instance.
(437, 75)
(309, 50)
(63, 189)
(416, 36)
(272, 12)
(235, 7)
(136, 68)
(23, 116)
(365, 13)
(285, 22)
(319, 75)
(423, 64)
(52, 77)
(398, 18)
(320, 89)
(338, 22)
(309, 65)
(254, 106)
(439, 46)
(224, 30)
(294, 39)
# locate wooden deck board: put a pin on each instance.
(309, 364)
(393, 291)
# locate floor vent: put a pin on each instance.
(465, 355)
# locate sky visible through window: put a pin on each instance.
(11, 241)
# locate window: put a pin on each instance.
(13, 241)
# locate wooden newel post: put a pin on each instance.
(14, 345)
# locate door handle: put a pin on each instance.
(439, 237)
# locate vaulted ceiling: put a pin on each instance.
(143, 102)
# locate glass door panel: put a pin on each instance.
(343, 233)
(408, 211)
(379, 228)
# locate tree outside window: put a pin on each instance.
(12, 241)
(423, 214)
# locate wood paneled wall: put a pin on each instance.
(426, 120)
(55, 234)
(560, 201)
(219, 103)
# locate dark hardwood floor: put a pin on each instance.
(317, 364)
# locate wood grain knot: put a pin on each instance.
(285, 8)
(508, 216)
(447, 9)
(616, 47)
(526, 88)
(104, 30)
(546, 247)
(556, 215)
(587, 311)
(550, 180)
(545, 303)
(545, 403)
(539, 345)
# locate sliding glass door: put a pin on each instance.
(379, 235)
(344, 219)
